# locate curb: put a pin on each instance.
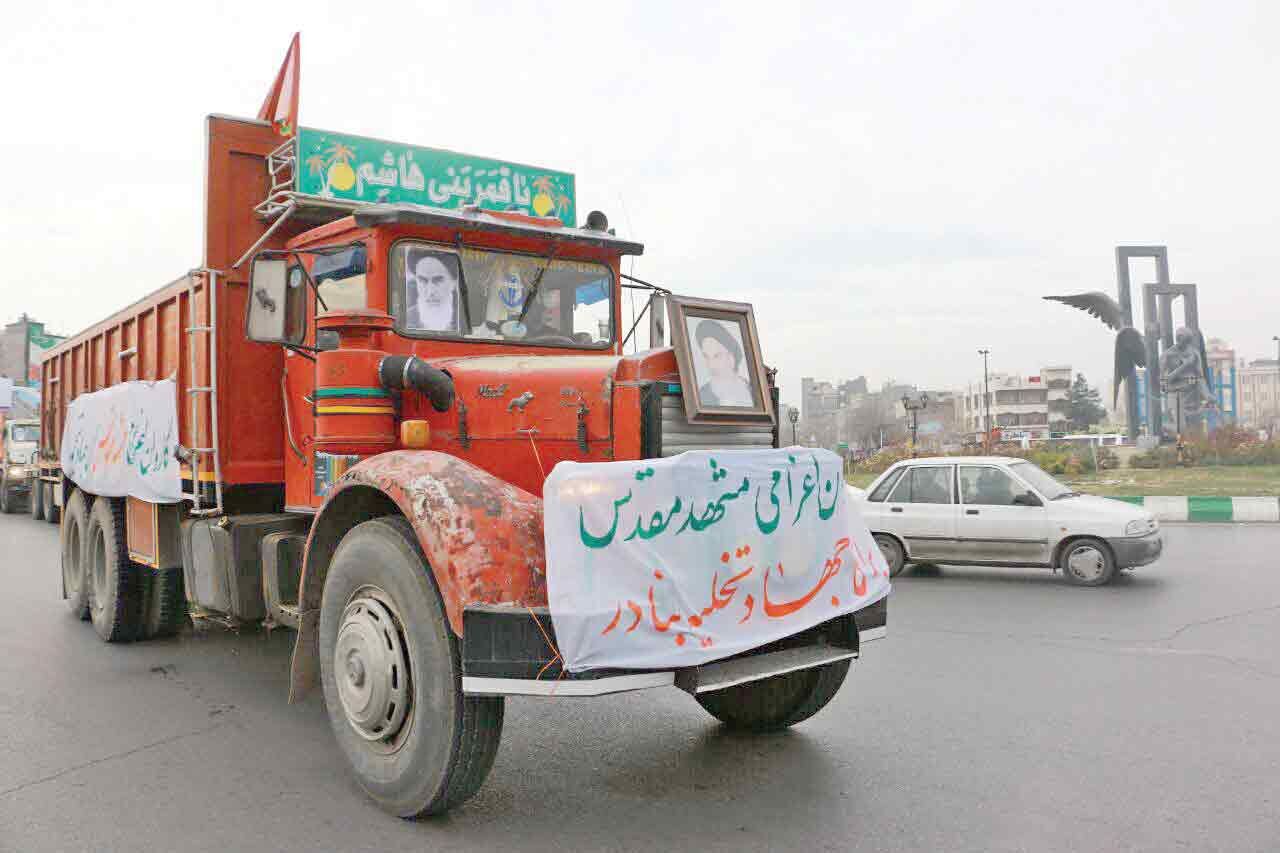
(1207, 508)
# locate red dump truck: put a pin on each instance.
(368, 394)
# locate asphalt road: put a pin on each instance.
(1005, 711)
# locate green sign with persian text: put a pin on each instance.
(356, 168)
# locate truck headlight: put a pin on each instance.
(18, 471)
(1141, 527)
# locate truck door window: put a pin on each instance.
(476, 294)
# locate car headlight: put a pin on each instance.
(1141, 527)
(18, 471)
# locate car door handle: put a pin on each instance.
(970, 512)
(895, 509)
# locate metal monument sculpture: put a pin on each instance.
(1181, 371)
(1184, 371)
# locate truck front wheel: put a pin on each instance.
(35, 504)
(7, 502)
(776, 703)
(392, 677)
(47, 503)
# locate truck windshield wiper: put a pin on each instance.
(1065, 495)
(537, 282)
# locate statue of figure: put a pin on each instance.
(1185, 378)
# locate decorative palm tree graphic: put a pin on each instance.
(543, 201)
(341, 176)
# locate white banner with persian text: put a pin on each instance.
(121, 441)
(676, 562)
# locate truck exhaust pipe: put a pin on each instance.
(397, 372)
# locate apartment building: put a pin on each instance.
(1031, 406)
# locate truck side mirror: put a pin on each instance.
(276, 312)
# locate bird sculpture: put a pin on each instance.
(1131, 350)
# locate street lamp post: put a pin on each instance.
(1276, 426)
(794, 416)
(986, 400)
(913, 408)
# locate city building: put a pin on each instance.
(22, 343)
(1222, 371)
(1021, 406)
(1259, 387)
(819, 398)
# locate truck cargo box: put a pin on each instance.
(229, 389)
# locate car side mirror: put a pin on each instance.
(277, 308)
(1027, 499)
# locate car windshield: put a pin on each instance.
(475, 294)
(26, 432)
(1040, 481)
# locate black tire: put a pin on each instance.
(116, 586)
(48, 506)
(166, 603)
(34, 503)
(75, 575)
(776, 703)
(1087, 562)
(440, 754)
(8, 500)
(893, 553)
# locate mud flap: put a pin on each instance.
(304, 673)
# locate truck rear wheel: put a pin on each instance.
(392, 677)
(776, 703)
(47, 504)
(115, 598)
(75, 580)
(166, 603)
(35, 504)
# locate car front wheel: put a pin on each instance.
(1087, 562)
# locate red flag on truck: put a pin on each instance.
(281, 106)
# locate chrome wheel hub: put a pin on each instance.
(371, 669)
(1086, 563)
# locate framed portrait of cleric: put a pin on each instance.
(718, 353)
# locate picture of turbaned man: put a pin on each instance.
(719, 363)
(432, 301)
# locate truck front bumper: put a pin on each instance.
(510, 652)
(1133, 551)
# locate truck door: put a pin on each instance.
(299, 414)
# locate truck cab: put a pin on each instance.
(19, 442)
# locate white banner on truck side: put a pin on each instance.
(121, 441)
(675, 562)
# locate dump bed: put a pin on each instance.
(192, 329)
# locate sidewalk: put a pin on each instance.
(1193, 508)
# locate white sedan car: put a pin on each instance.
(1001, 511)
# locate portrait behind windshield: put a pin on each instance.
(485, 295)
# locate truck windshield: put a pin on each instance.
(474, 294)
(26, 432)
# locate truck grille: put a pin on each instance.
(676, 434)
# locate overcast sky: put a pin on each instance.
(892, 185)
